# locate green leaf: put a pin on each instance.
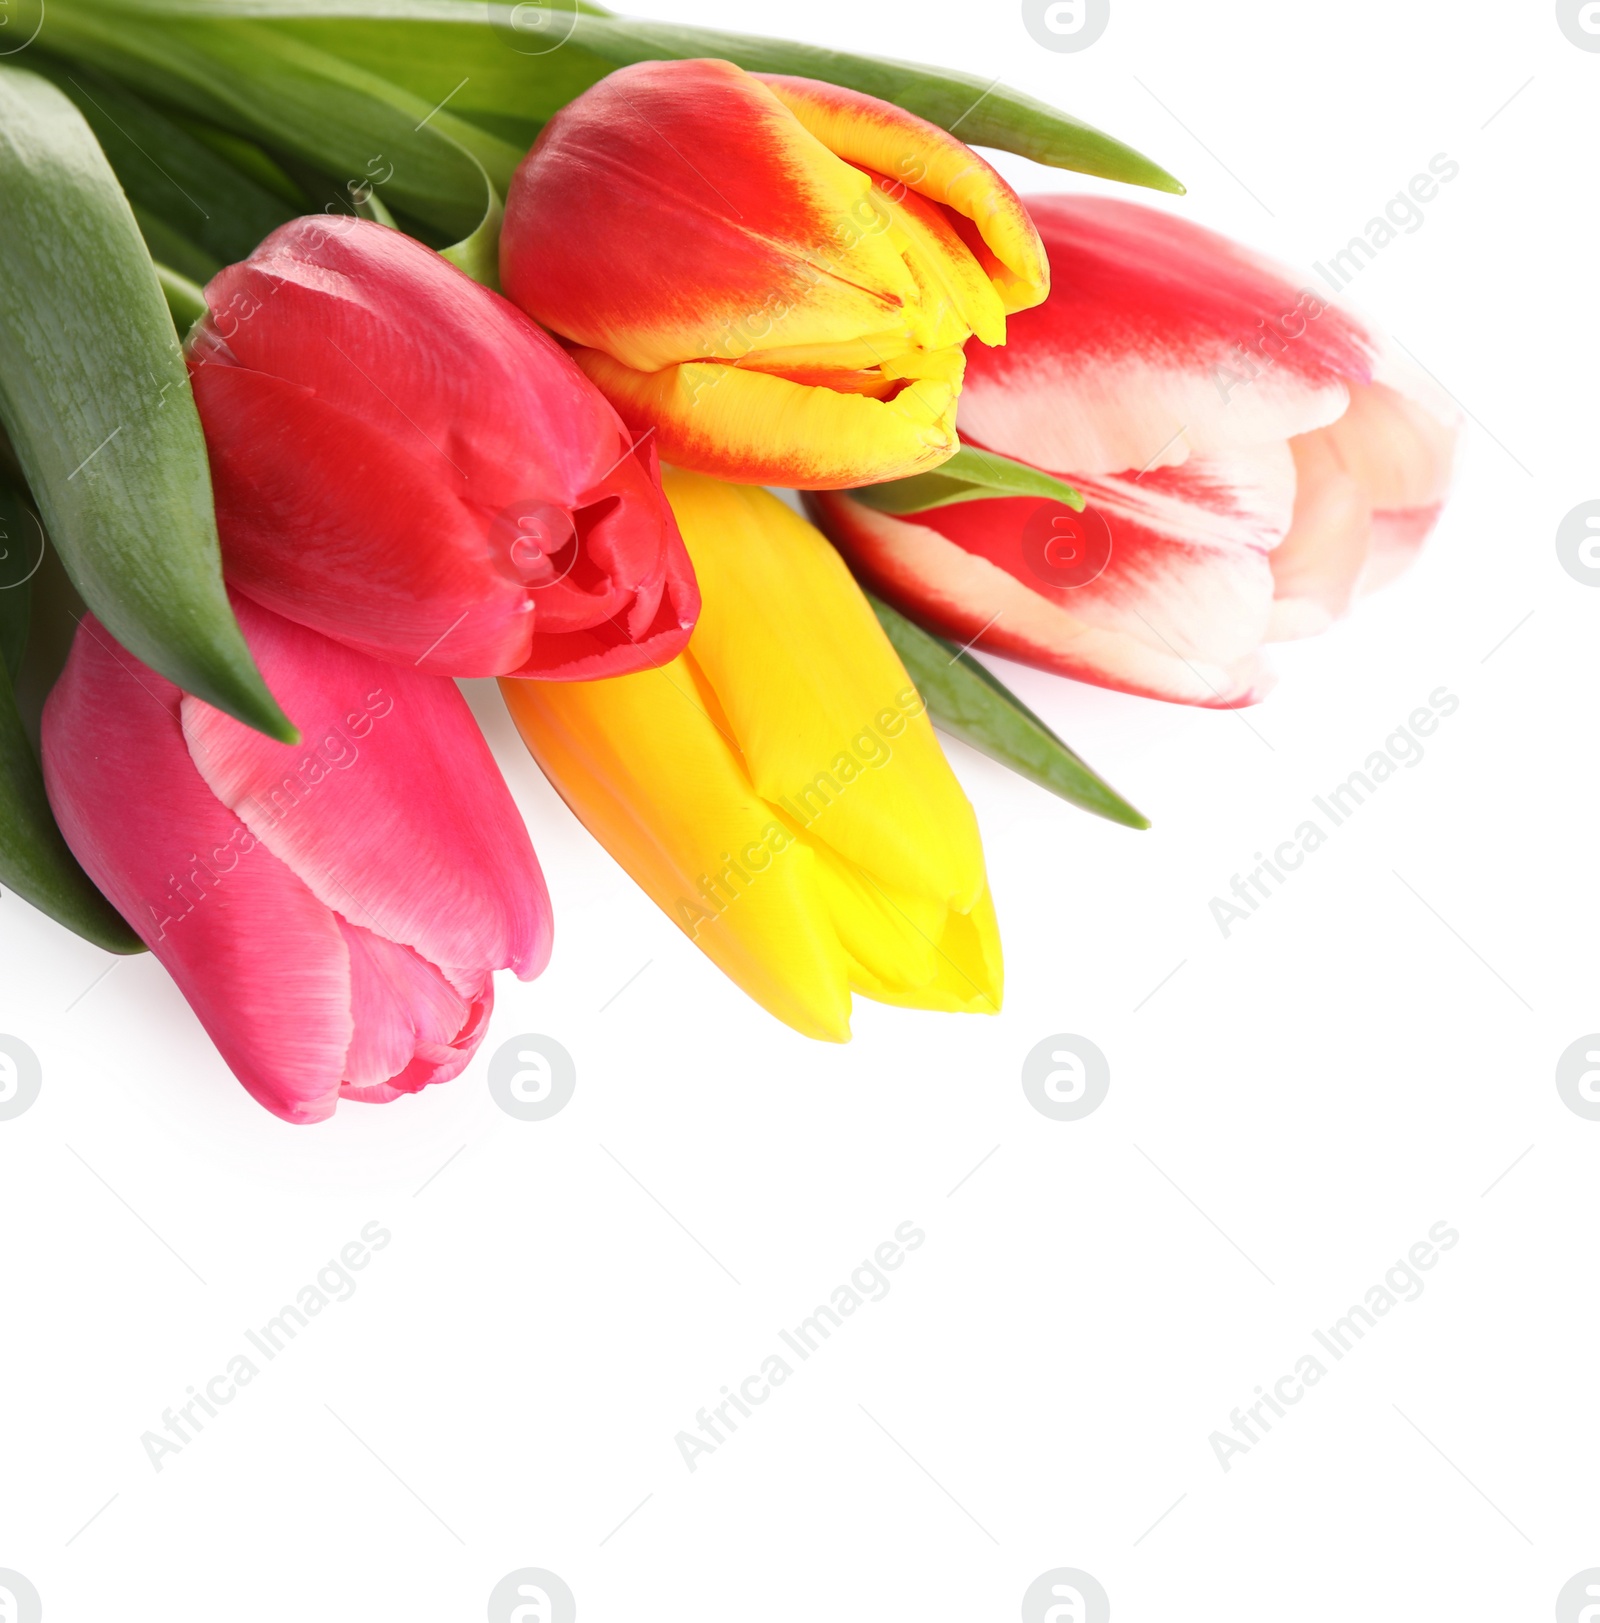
(987, 114)
(21, 548)
(297, 99)
(970, 475)
(34, 859)
(186, 302)
(95, 398)
(171, 177)
(175, 251)
(509, 81)
(479, 254)
(968, 701)
(247, 158)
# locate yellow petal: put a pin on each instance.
(758, 429)
(831, 729)
(902, 147)
(969, 976)
(645, 768)
(956, 293)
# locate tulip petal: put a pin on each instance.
(1160, 340)
(1316, 570)
(833, 704)
(1178, 615)
(412, 1027)
(258, 957)
(1395, 449)
(476, 619)
(1371, 487)
(647, 764)
(911, 950)
(911, 153)
(362, 806)
(751, 427)
(957, 296)
(660, 603)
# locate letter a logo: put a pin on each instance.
(535, 1607)
(1069, 1605)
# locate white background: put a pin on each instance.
(1288, 1113)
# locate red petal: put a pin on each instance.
(1146, 349)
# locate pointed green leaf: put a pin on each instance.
(508, 79)
(970, 475)
(987, 114)
(95, 398)
(968, 701)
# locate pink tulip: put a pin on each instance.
(333, 911)
(405, 462)
(1253, 458)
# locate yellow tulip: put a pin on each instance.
(777, 789)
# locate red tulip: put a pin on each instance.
(405, 462)
(333, 911)
(1252, 458)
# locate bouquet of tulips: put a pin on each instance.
(350, 347)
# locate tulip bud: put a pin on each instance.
(333, 911)
(777, 789)
(777, 275)
(1253, 458)
(406, 463)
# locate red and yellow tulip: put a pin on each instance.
(776, 275)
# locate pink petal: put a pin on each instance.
(392, 810)
(1395, 448)
(412, 1027)
(1316, 569)
(1372, 485)
(1396, 540)
(1159, 340)
(259, 958)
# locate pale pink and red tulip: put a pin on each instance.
(1253, 459)
(403, 461)
(333, 911)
